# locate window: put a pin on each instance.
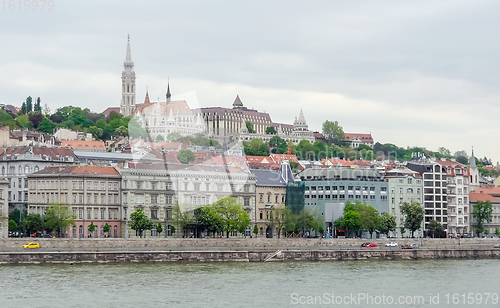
(103, 186)
(103, 199)
(185, 186)
(96, 213)
(154, 199)
(220, 187)
(154, 185)
(89, 212)
(409, 191)
(74, 184)
(89, 198)
(268, 198)
(110, 199)
(139, 198)
(89, 185)
(154, 213)
(110, 186)
(20, 183)
(96, 184)
(80, 198)
(168, 199)
(169, 185)
(115, 231)
(197, 186)
(246, 188)
(74, 198)
(139, 184)
(80, 213)
(103, 210)
(80, 185)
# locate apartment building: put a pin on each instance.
(16, 163)
(270, 193)
(93, 194)
(4, 208)
(155, 188)
(405, 185)
(457, 197)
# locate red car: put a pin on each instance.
(371, 245)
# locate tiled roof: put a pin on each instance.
(91, 145)
(179, 106)
(109, 109)
(54, 153)
(474, 197)
(78, 170)
(362, 137)
(279, 158)
(451, 165)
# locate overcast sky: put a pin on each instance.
(413, 73)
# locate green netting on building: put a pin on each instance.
(295, 196)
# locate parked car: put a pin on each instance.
(414, 245)
(32, 245)
(406, 246)
(496, 246)
(364, 244)
(391, 244)
(371, 245)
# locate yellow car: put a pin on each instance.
(32, 245)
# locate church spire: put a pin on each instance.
(168, 92)
(472, 161)
(128, 58)
(127, 105)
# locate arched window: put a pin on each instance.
(80, 230)
(260, 215)
(409, 190)
(115, 231)
(27, 169)
(36, 169)
(261, 231)
(3, 170)
(20, 169)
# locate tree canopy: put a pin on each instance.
(140, 222)
(414, 215)
(482, 212)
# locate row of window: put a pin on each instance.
(113, 231)
(343, 197)
(21, 170)
(99, 213)
(341, 188)
(276, 198)
(20, 183)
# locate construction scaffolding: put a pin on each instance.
(295, 196)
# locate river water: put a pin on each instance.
(435, 283)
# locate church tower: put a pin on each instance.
(127, 105)
(474, 173)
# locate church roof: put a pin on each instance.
(175, 107)
(237, 102)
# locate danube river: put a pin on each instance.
(427, 283)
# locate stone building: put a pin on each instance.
(155, 188)
(270, 193)
(4, 208)
(491, 194)
(127, 105)
(93, 193)
(16, 163)
(405, 185)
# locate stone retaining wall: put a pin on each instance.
(90, 243)
(34, 257)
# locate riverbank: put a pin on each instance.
(38, 257)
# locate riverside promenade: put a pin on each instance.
(250, 249)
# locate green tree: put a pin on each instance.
(461, 157)
(12, 225)
(305, 150)
(186, 156)
(277, 145)
(159, 228)
(106, 229)
(281, 215)
(180, 218)
(435, 227)
(232, 215)
(140, 222)
(444, 152)
(18, 216)
(414, 215)
(121, 131)
(136, 129)
(388, 224)
(159, 138)
(33, 223)
(206, 217)
(256, 147)
(255, 230)
(271, 130)
(174, 136)
(23, 108)
(29, 104)
(482, 213)
(96, 132)
(369, 218)
(250, 127)
(38, 106)
(7, 120)
(46, 110)
(23, 121)
(309, 220)
(46, 126)
(91, 228)
(58, 217)
(333, 132)
(497, 231)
